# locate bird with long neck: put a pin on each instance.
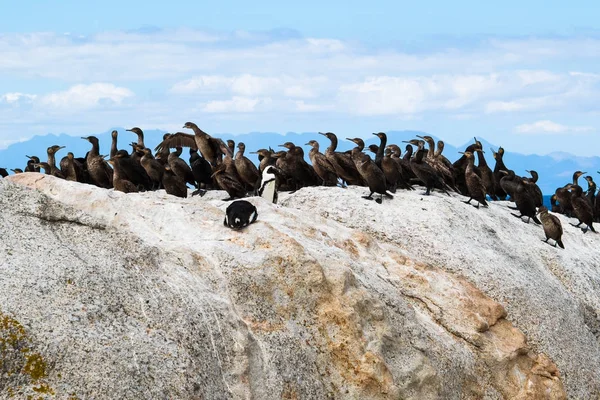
(582, 208)
(30, 164)
(52, 150)
(369, 171)
(113, 145)
(498, 156)
(246, 169)
(487, 175)
(381, 149)
(17, 171)
(100, 173)
(474, 181)
(140, 135)
(342, 162)
(321, 164)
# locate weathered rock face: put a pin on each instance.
(107, 295)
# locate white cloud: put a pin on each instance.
(86, 96)
(12, 98)
(550, 127)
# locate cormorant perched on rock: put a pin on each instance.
(45, 166)
(581, 208)
(180, 167)
(208, 146)
(407, 173)
(173, 184)
(52, 161)
(229, 183)
(498, 156)
(132, 170)
(524, 200)
(299, 169)
(474, 182)
(445, 172)
(265, 157)
(113, 145)
(423, 171)
(552, 227)
(508, 182)
(30, 164)
(246, 169)
(321, 164)
(380, 149)
(240, 214)
(140, 135)
(590, 193)
(71, 168)
(153, 168)
(369, 171)
(536, 191)
(3, 172)
(487, 176)
(120, 182)
(460, 166)
(342, 162)
(563, 196)
(201, 169)
(17, 171)
(100, 173)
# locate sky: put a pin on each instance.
(523, 75)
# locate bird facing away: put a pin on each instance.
(240, 214)
(552, 227)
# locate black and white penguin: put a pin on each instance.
(268, 186)
(240, 214)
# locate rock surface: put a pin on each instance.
(107, 295)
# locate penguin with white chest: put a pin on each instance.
(240, 214)
(267, 189)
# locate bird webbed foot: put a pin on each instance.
(200, 192)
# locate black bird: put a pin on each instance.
(3, 172)
(370, 172)
(240, 214)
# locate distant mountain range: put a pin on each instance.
(555, 169)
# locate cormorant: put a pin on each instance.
(321, 164)
(208, 146)
(201, 169)
(487, 176)
(17, 171)
(180, 168)
(32, 160)
(246, 169)
(120, 182)
(423, 171)
(552, 227)
(154, 169)
(100, 173)
(52, 161)
(581, 208)
(498, 156)
(536, 191)
(173, 184)
(3, 172)
(140, 135)
(474, 182)
(369, 171)
(342, 162)
(113, 145)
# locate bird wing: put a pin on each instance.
(177, 139)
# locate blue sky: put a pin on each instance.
(521, 74)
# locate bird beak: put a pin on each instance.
(527, 171)
(280, 145)
(583, 173)
(61, 147)
(128, 130)
(461, 152)
(375, 134)
(85, 138)
(419, 136)
(321, 133)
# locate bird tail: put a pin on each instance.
(560, 243)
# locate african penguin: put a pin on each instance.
(268, 186)
(240, 214)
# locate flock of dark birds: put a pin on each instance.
(214, 164)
